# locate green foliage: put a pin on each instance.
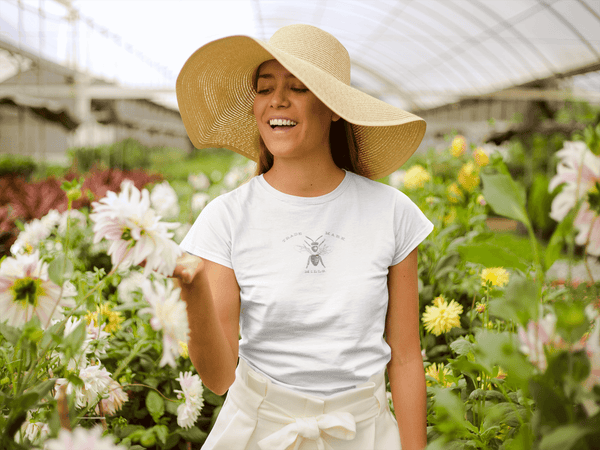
(17, 165)
(128, 154)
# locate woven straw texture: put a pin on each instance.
(215, 96)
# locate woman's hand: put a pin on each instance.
(187, 269)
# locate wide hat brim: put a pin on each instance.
(216, 96)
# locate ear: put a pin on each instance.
(334, 117)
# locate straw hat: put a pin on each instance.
(216, 96)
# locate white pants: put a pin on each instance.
(260, 415)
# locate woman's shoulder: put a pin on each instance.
(377, 189)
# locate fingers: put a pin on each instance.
(187, 267)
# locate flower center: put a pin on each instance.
(594, 198)
(27, 290)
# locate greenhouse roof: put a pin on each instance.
(415, 54)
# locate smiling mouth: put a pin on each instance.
(282, 123)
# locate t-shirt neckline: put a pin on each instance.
(297, 200)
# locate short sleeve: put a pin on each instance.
(210, 235)
(411, 227)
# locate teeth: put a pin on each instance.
(282, 122)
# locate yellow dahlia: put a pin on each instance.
(455, 195)
(450, 217)
(105, 315)
(416, 177)
(496, 276)
(183, 349)
(468, 177)
(481, 157)
(458, 146)
(442, 316)
(438, 372)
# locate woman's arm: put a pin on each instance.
(212, 295)
(405, 369)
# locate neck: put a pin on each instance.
(306, 178)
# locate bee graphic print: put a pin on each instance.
(315, 249)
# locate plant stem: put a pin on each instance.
(127, 360)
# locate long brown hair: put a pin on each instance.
(341, 142)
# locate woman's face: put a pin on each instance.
(292, 121)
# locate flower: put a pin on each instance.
(199, 182)
(164, 200)
(236, 176)
(116, 397)
(496, 276)
(535, 337)
(481, 157)
(34, 232)
(455, 195)
(104, 312)
(587, 223)
(130, 285)
(169, 315)
(450, 217)
(579, 170)
(135, 231)
(458, 146)
(199, 201)
(82, 438)
(34, 431)
(183, 349)
(481, 200)
(96, 382)
(468, 177)
(480, 307)
(416, 177)
(191, 391)
(438, 372)
(442, 316)
(25, 291)
(396, 179)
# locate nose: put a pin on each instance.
(280, 99)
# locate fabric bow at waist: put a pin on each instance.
(340, 425)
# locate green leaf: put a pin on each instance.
(501, 349)
(162, 432)
(60, 269)
(461, 346)
(212, 399)
(155, 405)
(74, 340)
(43, 388)
(519, 303)
(11, 334)
(555, 245)
(563, 438)
(505, 196)
(491, 255)
(551, 405)
(193, 434)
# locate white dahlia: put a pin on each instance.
(169, 315)
(191, 391)
(26, 290)
(135, 230)
(34, 232)
(164, 200)
(82, 438)
(115, 399)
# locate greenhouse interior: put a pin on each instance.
(104, 183)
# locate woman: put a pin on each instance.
(312, 261)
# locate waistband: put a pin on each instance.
(280, 404)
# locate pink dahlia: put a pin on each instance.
(26, 291)
(579, 170)
(134, 230)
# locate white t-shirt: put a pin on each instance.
(312, 273)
